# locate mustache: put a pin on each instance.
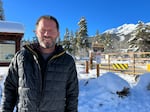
(46, 37)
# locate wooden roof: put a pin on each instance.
(10, 36)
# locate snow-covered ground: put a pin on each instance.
(102, 94)
(111, 92)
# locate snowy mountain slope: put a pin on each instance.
(124, 29)
(121, 35)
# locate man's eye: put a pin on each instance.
(53, 32)
(42, 31)
(48, 31)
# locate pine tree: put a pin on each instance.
(77, 42)
(34, 39)
(1, 11)
(66, 42)
(141, 38)
(58, 40)
(82, 40)
(108, 41)
(66, 35)
(82, 33)
(73, 43)
(98, 37)
(83, 27)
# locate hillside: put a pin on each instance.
(122, 34)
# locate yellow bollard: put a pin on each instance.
(148, 67)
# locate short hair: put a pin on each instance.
(49, 17)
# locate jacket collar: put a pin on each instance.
(33, 48)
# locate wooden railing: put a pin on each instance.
(134, 63)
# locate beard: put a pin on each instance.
(47, 42)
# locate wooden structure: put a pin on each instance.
(130, 63)
(97, 47)
(11, 31)
(137, 62)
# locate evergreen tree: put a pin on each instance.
(82, 33)
(66, 35)
(77, 43)
(71, 36)
(141, 38)
(83, 27)
(82, 40)
(34, 39)
(108, 41)
(24, 42)
(66, 42)
(98, 37)
(73, 43)
(1, 11)
(58, 41)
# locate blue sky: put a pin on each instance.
(100, 14)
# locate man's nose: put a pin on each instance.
(46, 33)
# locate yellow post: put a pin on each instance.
(148, 67)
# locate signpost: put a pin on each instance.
(98, 48)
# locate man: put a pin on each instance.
(42, 77)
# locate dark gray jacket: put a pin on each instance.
(36, 86)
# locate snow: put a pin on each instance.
(101, 94)
(148, 23)
(123, 29)
(11, 27)
(126, 29)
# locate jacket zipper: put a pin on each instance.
(35, 56)
(42, 81)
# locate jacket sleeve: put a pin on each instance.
(9, 96)
(72, 91)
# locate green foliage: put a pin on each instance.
(2, 17)
(69, 42)
(141, 38)
(82, 27)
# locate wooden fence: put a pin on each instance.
(134, 63)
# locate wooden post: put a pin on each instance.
(91, 63)
(91, 60)
(86, 66)
(109, 64)
(134, 63)
(97, 70)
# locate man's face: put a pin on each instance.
(47, 33)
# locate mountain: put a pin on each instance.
(122, 30)
(123, 33)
